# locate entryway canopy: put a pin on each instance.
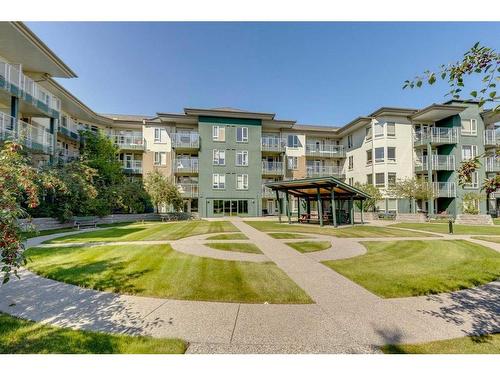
(319, 189)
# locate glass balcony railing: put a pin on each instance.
(436, 135)
(186, 140)
(273, 144)
(444, 189)
(327, 151)
(33, 136)
(13, 79)
(133, 141)
(272, 168)
(186, 165)
(324, 171)
(188, 190)
(132, 166)
(438, 163)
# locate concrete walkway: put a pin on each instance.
(345, 317)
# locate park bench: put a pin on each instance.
(84, 221)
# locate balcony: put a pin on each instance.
(436, 136)
(273, 144)
(491, 138)
(188, 190)
(444, 189)
(274, 168)
(132, 166)
(492, 164)
(186, 166)
(324, 171)
(134, 141)
(325, 151)
(70, 129)
(33, 136)
(268, 193)
(16, 83)
(66, 155)
(186, 141)
(438, 163)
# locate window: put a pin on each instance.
(391, 154)
(219, 133)
(243, 207)
(469, 127)
(474, 184)
(351, 181)
(392, 205)
(242, 182)
(218, 181)
(160, 158)
(469, 152)
(218, 207)
(349, 141)
(369, 156)
(219, 157)
(379, 155)
(242, 158)
(369, 179)
(380, 179)
(293, 163)
(241, 134)
(293, 141)
(351, 162)
(379, 130)
(157, 135)
(391, 129)
(368, 133)
(391, 178)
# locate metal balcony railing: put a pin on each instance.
(324, 171)
(438, 163)
(491, 137)
(272, 168)
(273, 144)
(185, 140)
(186, 165)
(133, 141)
(132, 166)
(67, 155)
(28, 87)
(328, 151)
(268, 193)
(188, 190)
(33, 136)
(492, 164)
(436, 135)
(444, 189)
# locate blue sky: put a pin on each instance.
(315, 73)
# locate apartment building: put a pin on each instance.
(222, 158)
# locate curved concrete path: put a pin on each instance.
(345, 318)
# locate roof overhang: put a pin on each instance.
(355, 124)
(229, 113)
(21, 46)
(491, 117)
(437, 112)
(393, 111)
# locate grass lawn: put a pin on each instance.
(287, 236)
(412, 268)
(151, 231)
(465, 345)
(229, 236)
(20, 336)
(310, 246)
(348, 231)
(235, 246)
(496, 221)
(457, 228)
(159, 271)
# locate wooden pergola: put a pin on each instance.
(319, 189)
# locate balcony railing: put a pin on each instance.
(70, 128)
(492, 164)
(26, 87)
(66, 155)
(188, 190)
(438, 163)
(268, 192)
(491, 137)
(128, 142)
(33, 136)
(186, 165)
(436, 135)
(324, 171)
(444, 189)
(272, 168)
(185, 140)
(273, 144)
(326, 151)
(132, 166)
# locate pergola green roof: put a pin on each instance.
(308, 188)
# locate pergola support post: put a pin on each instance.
(361, 213)
(298, 209)
(351, 210)
(334, 209)
(288, 211)
(278, 204)
(320, 207)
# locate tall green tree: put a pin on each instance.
(162, 191)
(133, 198)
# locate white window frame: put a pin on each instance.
(378, 184)
(244, 134)
(242, 181)
(349, 141)
(244, 158)
(472, 125)
(392, 160)
(392, 124)
(219, 133)
(369, 131)
(350, 162)
(158, 158)
(378, 130)
(294, 144)
(379, 160)
(292, 163)
(217, 156)
(369, 161)
(389, 180)
(218, 181)
(473, 149)
(157, 135)
(474, 184)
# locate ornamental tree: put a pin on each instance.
(162, 191)
(369, 205)
(411, 189)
